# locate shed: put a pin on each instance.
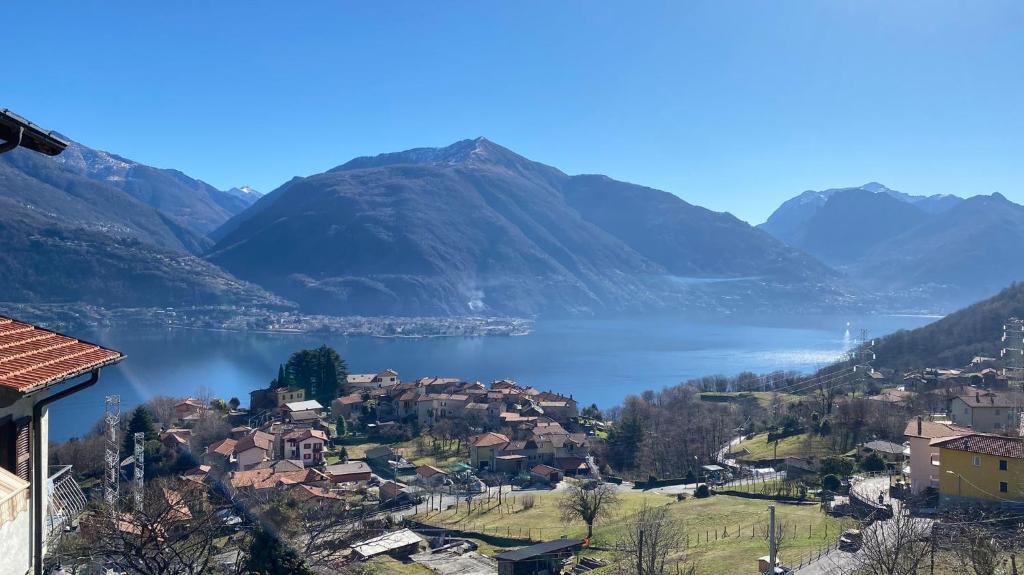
(348, 472)
(542, 558)
(401, 543)
(546, 473)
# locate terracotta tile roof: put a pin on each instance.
(427, 471)
(992, 399)
(223, 447)
(488, 439)
(984, 443)
(32, 357)
(258, 439)
(304, 434)
(934, 429)
(541, 469)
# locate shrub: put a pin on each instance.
(702, 491)
(527, 501)
(830, 482)
(836, 465)
(872, 463)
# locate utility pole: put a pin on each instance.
(112, 451)
(140, 454)
(771, 539)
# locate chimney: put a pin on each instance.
(977, 398)
(919, 425)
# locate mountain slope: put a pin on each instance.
(474, 228)
(191, 203)
(789, 221)
(953, 340)
(46, 262)
(968, 252)
(65, 197)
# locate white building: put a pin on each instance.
(386, 378)
(37, 368)
(305, 445)
(924, 459)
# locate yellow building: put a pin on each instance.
(981, 467)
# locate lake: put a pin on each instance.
(598, 361)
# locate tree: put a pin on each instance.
(873, 463)
(651, 544)
(979, 546)
(141, 421)
(592, 412)
(282, 379)
(321, 372)
(831, 483)
(234, 403)
(894, 547)
(267, 555)
(173, 533)
(341, 426)
(836, 465)
(588, 505)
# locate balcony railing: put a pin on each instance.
(66, 501)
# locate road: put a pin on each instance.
(838, 562)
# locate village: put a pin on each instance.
(369, 472)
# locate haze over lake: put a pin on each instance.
(598, 361)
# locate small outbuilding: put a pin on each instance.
(540, 559)
(401, 543)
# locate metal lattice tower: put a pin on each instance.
(140, 455)
(112, 454)
(1012, 352)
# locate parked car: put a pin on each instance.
(851, 540)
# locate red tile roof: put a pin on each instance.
(984, 443)
(32, 357)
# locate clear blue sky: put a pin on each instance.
(736, 106)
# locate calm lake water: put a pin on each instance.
(598, 361)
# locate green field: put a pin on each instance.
(763, 398)
(725, 533)
(384, 565)
(793, 446)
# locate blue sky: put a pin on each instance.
(736, 106)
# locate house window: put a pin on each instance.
(1003, 487)
(976, 461)
(305, 456)
(1002, 465)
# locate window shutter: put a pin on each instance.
(23, 448)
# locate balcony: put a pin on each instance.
(66, 501)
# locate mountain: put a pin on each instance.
(65, 197)
(475, 228)
(955, 339)
(967, 252)
(246, 194)
(45, 261)
(789, 221)
(191, 203)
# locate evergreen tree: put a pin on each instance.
(141, 421)
(341, 427)
(269, 556)
(282, 378)
(321, 372)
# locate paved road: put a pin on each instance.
(840, 562)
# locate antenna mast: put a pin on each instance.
(140, 454)
(112, 453)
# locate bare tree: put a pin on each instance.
(172, 534)
(782, 532)
(898, 546)
(588, 505)
(979, 546)
(652, 544)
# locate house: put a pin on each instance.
(306, 411)
(391, 491)
(539, 559)
(924, 458)
(285, 395)
(386, 378)
(887, 450)
(253, 449)
(348, 406)
(401, 543)
(349, 472)
(430, 475)
(484, 448)
(306, 445)
(188, 409)
(267, 478)
(177, 439)
(38, 367)
(981, 468)
(988, 411)
(546, 473)
(220, 455)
